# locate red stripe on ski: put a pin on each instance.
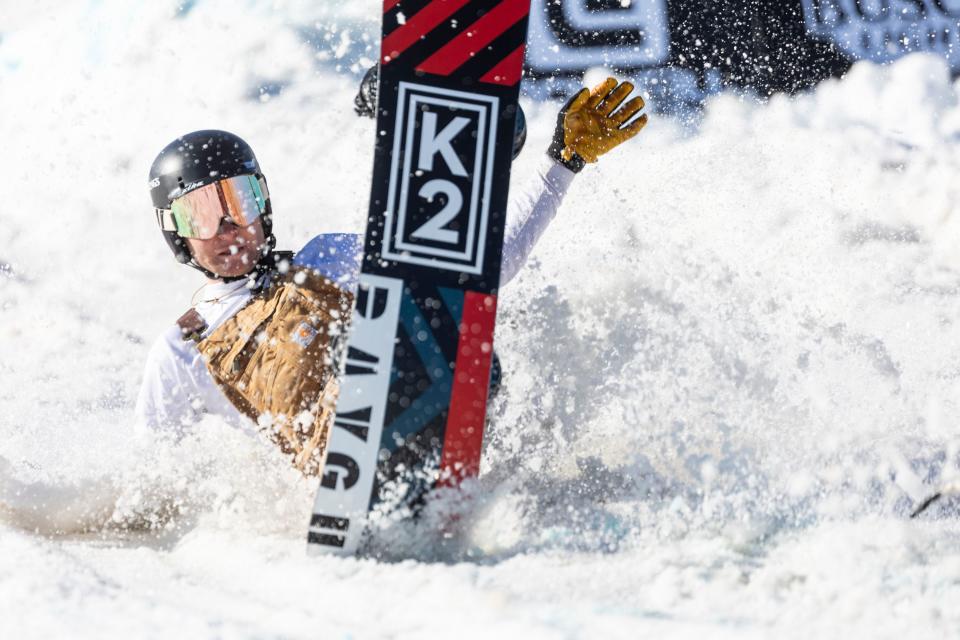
(425, 21)
(389, 4)
(455, 53)
(463, 436)
(508, 71)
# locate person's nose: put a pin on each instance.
(227, 225)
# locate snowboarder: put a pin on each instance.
(260, 342)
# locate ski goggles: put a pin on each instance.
(241, 199)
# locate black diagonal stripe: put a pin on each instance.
(325, 539)
(446, 31)
(447, 332)
(408, 8)
(411, 379)
(358, 430)
(361, 356)
(491, 55)
(329, 522)
(409, 369)
(412, 454)
(360, 415)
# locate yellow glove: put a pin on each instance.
(594, 122)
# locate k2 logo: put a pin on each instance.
(440, 178)
(573, 35)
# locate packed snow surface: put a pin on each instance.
(732, 364)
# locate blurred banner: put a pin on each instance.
(683, 50)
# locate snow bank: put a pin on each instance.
(731, 366)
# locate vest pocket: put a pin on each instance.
(275, 361)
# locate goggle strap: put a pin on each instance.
(166, 220)
(223, 199)
(263, 188)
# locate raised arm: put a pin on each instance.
(591, 124)
(531, 210)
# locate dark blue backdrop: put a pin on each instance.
(683, 50)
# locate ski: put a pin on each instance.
(414, 388)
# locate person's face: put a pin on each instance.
(234, 251)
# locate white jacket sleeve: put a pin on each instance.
(177, 388)
(165, 400)
(530, 211)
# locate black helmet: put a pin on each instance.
(365, 104)
(195, 160)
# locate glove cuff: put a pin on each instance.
(575, 163)
(558, 144)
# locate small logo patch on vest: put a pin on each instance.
(304, 334)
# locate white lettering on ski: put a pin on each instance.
(433, 143)
(433, 229)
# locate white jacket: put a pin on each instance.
(177, 387)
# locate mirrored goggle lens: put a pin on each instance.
(197, 214)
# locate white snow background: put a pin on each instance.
(732, 364)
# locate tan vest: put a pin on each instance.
(274, 360)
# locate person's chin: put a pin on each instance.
(233, 267)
